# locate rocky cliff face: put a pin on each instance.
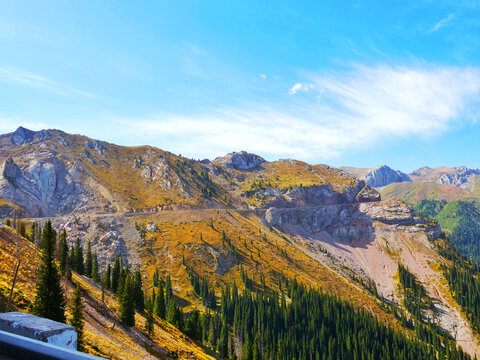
(351, 222)
(314, 195)
(43, 185)
(383, 175)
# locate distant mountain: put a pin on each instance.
(378, 176)
(440, 183)
(461, 176)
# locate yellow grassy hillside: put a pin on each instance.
(104, 335)
(195, 237)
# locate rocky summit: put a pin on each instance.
(378, 176)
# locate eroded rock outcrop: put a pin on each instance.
(314, 195)
(240, 161)
(348, 222)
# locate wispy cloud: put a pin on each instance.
(263, 76)
(22, 77)
(442, 23)
(359, 107)
(300, 87)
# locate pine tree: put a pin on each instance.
(256, 349)
(68, 271)
(232, 350)
(115, 273)
(72, 260)
(32, 232)
(171, 311)
(139, 297)
(95, 273)
(168, 290)
(21, 228)
(79, 265)
(223, 346)
(121, 280)
(193, 326)
(160, 308)
(63, 252)
(178, 318)
(106, 278)
(149, 327)
(89, 260)
(77, 318)
(280, 354)
(247, 350)
(49, 300)
(44, 242)
(127, 302)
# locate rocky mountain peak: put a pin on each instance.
(22, 136)
(462, 178)
(383, 175)
(420, 171)
(241, 160)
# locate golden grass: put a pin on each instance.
(104, 335)
(263, 255)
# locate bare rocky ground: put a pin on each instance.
(374, 253)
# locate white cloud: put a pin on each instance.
(300, 87)
(442, 23)
(263, 76)
(353, 109)
(22, 77)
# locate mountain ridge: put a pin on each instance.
(237, 214)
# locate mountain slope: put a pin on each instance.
(461, 220)
(104, 334)
(413, 192)
(235, 218)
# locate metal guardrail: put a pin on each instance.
(14, 346)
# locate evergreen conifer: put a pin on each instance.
(50, 299)
(77, 318)
(63, 251)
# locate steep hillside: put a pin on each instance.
(461, 220)
(104, 334)
(413, 192)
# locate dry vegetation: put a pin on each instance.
(261, 252)
(104, 334)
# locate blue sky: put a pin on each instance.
(344, 83)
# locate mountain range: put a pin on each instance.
(239, 214)
(440, 183)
